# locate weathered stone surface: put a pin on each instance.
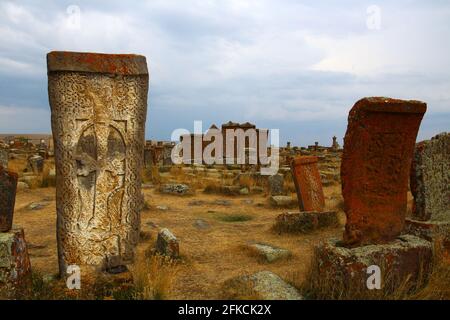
(263, 285)
(4, 158)
(282, 202)
(430, 179)
(99, 108)
(438, 232)
(175, 189)
(167, 244)
(378, 149)
(308, 184)
(35, 164)
(15, 267)
(8, 187)
(305, 221)
(21, 186)
(201, 224)
(268, 252)
(404, 259)
(276, 185)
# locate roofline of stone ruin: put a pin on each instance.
(117, 64)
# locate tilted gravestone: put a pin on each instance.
(308, 184)
(378, 149)
(99, 106)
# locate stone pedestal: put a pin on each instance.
(438, 232)
(99, 106)
(378, 148)
(305, 221)
(343, 272)
(308, 184)
(15, 267)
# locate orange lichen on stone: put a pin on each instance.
(308, 184)
(378, 148)
(120, 64)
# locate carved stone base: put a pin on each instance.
(343, 270)
(305, 221)
(15, 267)
(436, 232)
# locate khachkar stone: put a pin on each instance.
(99, 107)
(378, 149)
(430, 179)
(4, 158)
(308, 184)
(8, 187)
(430, 186)
(15, 267)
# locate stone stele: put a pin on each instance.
(308, 184)
(378, 149)
(8, 188)
(98, 105)
(430, 179)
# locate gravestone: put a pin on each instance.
(276, 184)
(308, 184)
(430, 186)
(99, 106)
(15, 267)
(35, 164)
(8, 187)
(4, 158)
(430, 179)
(378, 149)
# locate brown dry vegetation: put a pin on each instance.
(209, 256)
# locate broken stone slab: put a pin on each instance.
(276, 185)
(179, 189)
(408, 258)
(438, 232)
(430, 179)
(8, 188)
(244, 191)
(15, 267)
(167, 244)
(305, 221)
(35, 164)
(378, 149)
(221, 202)
(201, 224)
(264, 285)
(22, 186)
(268, 252)
(282, 202)
(37, 205)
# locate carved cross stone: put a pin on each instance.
(99, 106)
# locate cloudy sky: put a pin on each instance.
(294, 65)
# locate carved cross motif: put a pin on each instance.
(100, 161)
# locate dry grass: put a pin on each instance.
(17, 165)
(153, 277)
(426, 286)
(247, 181)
